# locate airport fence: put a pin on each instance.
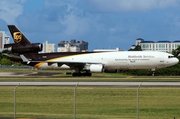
(82, 102)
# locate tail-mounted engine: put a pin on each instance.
(29, 48)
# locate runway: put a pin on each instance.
(119, 84)
(169, 83)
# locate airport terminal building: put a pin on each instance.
(163, 46)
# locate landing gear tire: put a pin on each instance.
(88, 74)
(76, 74)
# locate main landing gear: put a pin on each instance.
(81, 74)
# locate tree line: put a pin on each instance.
(4, 60)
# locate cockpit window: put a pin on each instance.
(171, 56)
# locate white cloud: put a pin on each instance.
(10, 10)
(74, 21)
(75, 24)
(130, 5)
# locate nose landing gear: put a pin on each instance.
(153, 72)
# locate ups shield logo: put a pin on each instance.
(17, 37)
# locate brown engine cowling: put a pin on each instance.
(30, 48)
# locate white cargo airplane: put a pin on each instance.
(84, 63)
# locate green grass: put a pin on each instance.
(91, 102)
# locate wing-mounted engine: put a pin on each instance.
(94, 67)
(28, 48)
(89, 68)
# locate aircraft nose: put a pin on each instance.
(175, 61)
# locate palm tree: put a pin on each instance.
(176, 52)
(137, 48)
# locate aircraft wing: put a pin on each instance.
(71, 64)
(63, 62)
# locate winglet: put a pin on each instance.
(25, 59)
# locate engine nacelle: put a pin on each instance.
(30, 48)
(96, 68)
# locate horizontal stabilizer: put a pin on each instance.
(24, 59)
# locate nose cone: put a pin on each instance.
(174, 61)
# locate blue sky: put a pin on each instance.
(102, 23)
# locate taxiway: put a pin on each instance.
(120, 84)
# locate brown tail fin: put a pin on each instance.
(18, 36)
